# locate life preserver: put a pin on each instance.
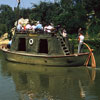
(31, 41)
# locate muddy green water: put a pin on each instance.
(34, 82)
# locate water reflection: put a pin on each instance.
(51, 83)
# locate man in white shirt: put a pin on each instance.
(80, 39)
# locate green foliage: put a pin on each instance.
(3, 29)
(70, 14)
(94, 43)
(93, 5)
(6, 18)
(94, 29)
(98, 35)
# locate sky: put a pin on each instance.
(24, 3)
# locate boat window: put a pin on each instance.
(22, 44)
(43, 46)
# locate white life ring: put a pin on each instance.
(31, 41)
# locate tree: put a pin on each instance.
(6, 16)
(3, 29)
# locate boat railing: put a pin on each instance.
(34, 32)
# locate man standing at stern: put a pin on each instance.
(80, 39)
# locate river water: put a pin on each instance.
(34, 82)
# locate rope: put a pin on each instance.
(91, 55)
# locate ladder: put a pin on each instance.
(63, 45)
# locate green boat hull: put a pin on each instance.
(43, 59)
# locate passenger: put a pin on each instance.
(64, 33)
(28, 27)
(33, 27)
(19, 26)
(9, 43)
(24, 27)
(80, 39)
(39, 26)
(65, 38)
(45, 28)
(58, 27)
(49, 28)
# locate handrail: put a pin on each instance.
(93, 62)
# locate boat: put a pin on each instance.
(43, 48)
